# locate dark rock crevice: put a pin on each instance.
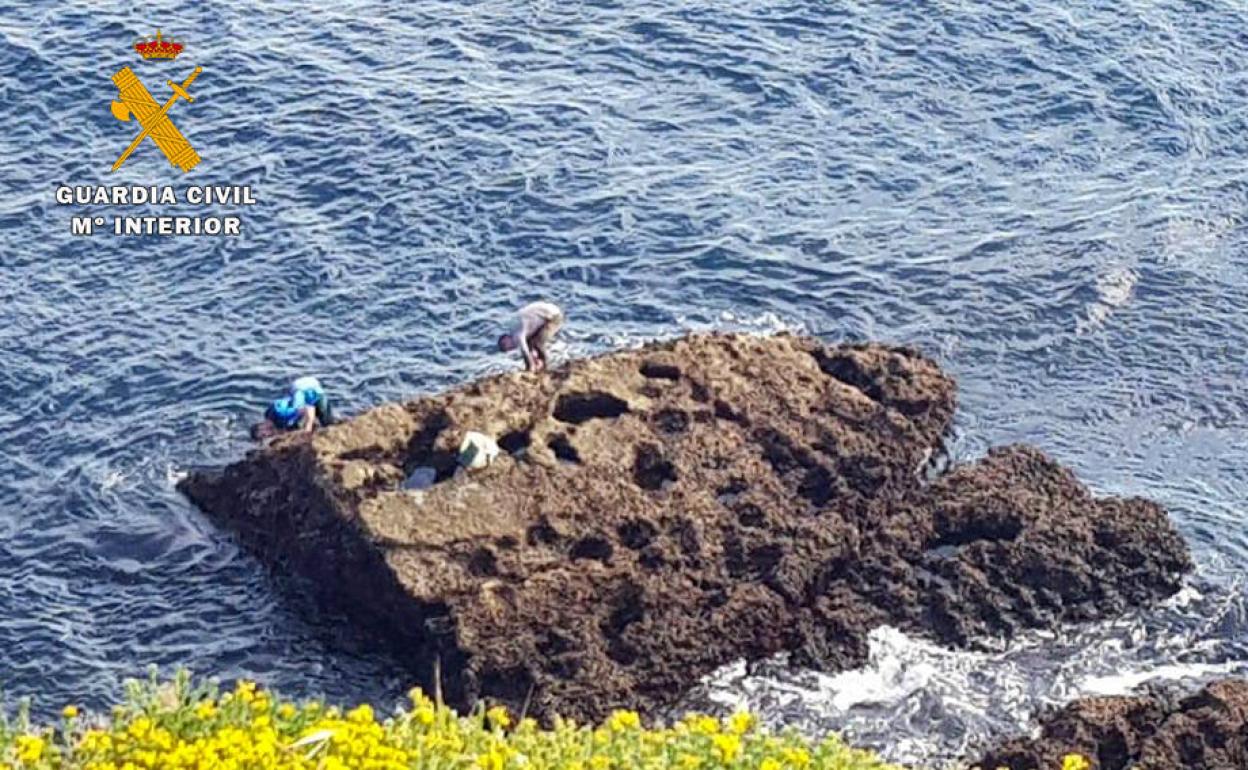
(576, 408)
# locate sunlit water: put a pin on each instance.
(1048, 200)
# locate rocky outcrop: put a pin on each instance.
(663, 511)
(1208, 731)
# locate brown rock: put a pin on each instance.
(668, 510)
(1208, 731)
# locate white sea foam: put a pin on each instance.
(1123, 683)
(924, 704)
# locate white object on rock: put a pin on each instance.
(477, 450)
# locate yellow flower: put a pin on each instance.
(418, 697)
(700, 723)
(140, 727)
(29, 748)
(624, 720)
(1075, 762)
(96, 740)
(740, 723)
(494, 760)
(247, 728)
(728, 746)
(362, 714)
(497, 716)
(245, 690)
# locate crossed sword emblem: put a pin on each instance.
(136, 101)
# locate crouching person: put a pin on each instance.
(539, 322)
(302, 408)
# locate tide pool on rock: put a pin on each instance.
(676, 508)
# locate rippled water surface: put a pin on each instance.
(1049, 200)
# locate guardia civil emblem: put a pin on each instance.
(135, 101)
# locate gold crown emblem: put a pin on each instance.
(158, 48)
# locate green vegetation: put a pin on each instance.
(181, 724)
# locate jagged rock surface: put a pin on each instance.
(664, 511)
(1206, 731)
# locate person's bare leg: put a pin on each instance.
(542, 337)
(539, 350)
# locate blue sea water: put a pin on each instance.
(1048, 197)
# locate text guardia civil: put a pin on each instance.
(155, 223)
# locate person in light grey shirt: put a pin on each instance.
(539, 322)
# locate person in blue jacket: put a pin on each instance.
(304, 407)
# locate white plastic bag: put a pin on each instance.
(477, 451)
